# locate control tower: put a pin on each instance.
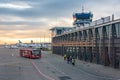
(80, 19)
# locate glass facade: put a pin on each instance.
(117, 29)
(97, 33)
(90, 33)
(105, 31)
(84, 34)
(80, 35)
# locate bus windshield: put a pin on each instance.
(35, 52)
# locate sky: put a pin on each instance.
(28, 20)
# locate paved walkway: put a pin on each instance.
(93, 68)
(97, 69)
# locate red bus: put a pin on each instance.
(30, 53)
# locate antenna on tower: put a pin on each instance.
(82, 9)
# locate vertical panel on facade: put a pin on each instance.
(79, 53)
(117, 47)
(89, 54)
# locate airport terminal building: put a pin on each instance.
(92, 41)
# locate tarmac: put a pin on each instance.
(97, 69)
(49, 67)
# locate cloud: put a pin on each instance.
(18, 6)
(103, 8)
(42, 8)
(56, 8)
(33, 18)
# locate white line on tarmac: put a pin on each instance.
(45, 76)
(56, 68)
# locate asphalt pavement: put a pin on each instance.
(49, 67)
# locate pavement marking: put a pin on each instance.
(56, 68)
(45, 76)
